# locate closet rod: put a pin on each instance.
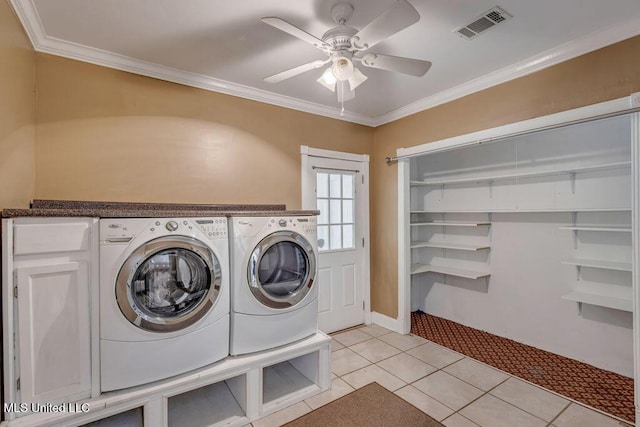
(388, 160)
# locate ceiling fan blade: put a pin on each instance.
(287, 74)
(343, 92)
(283, 25)
(413, 67)
(400, 16)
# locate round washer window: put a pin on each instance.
(171, 283)
(283, 269)
(168, 284)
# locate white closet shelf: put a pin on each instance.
(450, 223)
(443, 211)
(450, 271)
(449, 245)
(623, 304)
(613, 228)
(594, 263)
(617, 165)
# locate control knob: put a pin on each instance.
(172, 226)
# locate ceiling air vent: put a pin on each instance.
(487, 20)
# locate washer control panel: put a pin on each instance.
(308, 224)
(213, 228)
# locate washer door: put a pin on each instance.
(282, 269)
(168, 284)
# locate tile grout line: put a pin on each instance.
(560, 413)
(406, 383)
(571, 399)
(479, 397)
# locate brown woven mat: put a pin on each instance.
(371, 406)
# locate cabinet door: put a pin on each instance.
(53, 320)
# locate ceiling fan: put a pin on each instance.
(345, 45)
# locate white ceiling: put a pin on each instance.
(223, 46)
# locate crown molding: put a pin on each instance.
(28, 15)
(564, 52)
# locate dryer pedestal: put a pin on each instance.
(251, 333)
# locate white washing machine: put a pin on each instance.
(164, 297)
(274, 296)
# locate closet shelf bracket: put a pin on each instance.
(572, 176)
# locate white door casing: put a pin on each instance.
(343, 255)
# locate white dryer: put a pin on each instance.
(164, 297)
(274, 297)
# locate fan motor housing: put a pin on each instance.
(339, 37)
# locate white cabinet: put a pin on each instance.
(49, 277)
(53, 332)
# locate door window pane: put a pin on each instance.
(322, 184)
(334, 185)
(323, 237)
(347, 211)
(347, 186)
(334, 212)
(335, 199)
(323, 207)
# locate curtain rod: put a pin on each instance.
(335, 169)
(389, 160)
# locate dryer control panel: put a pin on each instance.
(304, 224)
(213, 228)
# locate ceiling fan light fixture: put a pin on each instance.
(328, 80)
(356, 79)
(342, 68)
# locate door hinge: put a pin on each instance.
(363, 305)
(15, 291)
(363, 242)
(362, 179)
(18, 384)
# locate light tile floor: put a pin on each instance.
(452, 388)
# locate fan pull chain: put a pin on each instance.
(342, 101)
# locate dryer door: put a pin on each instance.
(282, 269)
(168, 284)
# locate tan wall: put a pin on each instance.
(108, 135)
(609, 73)
(104, 134)
(17, 117)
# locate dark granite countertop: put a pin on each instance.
(68, 208)
(79, 204)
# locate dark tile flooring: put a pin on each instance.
(600, 389)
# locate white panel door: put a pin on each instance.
(338, 194)
(53, 319)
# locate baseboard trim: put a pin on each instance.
(384, 321)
